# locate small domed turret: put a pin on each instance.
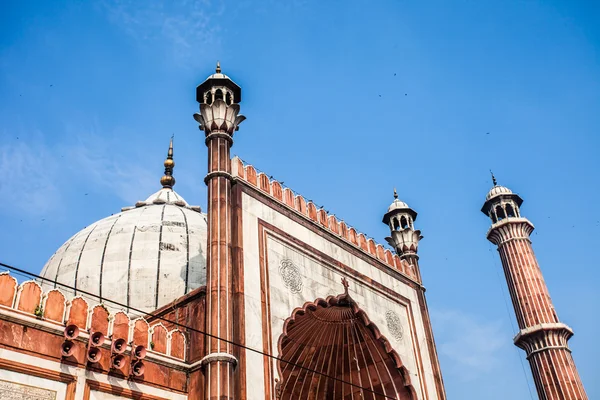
(399, 215)
(501, 203)
(400, 219)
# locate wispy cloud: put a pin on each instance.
(29, 173)
(122, 173)
(473, 345)
(35, 174)
(181, 28)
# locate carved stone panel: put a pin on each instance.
(394, 325)
(17, 391)
(292, 278)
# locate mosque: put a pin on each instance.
(262, 296)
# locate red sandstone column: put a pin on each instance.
(219, 119)
(542, 336)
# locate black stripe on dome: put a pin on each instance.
(162, 217)
(79, 258)
(68, 244)
(187, 252)
(103, 253)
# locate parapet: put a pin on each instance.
(54, 311)
(319, 216)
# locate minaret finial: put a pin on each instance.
(218, 70)
(395, 194)
(493, 178)
(167, 181)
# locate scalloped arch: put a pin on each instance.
(334, 336)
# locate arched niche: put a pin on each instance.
(350, 357)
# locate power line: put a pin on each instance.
(158, 317)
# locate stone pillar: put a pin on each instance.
(219, 119)
(542, 336)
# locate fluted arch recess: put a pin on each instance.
(335, 337)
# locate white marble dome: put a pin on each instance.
(143, 257)
(496, 191)
(397, 204)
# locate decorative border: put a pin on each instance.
(33, 370)
(264, 231)
(115, 391)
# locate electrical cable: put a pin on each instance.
(158, 317)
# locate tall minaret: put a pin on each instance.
(400, 218)
(542, 336)
(219, 119)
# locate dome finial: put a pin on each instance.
(395, 194)
(167, 181)
(493, 178)
(218, 70)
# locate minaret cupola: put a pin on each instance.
(218, 86)
(400, 218)
(501, 203)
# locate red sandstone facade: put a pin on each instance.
(542, 335)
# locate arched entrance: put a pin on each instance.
(334, 337)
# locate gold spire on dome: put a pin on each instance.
(218, 70)
(493, 178)
(167, 181)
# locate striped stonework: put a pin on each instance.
(219, 118)
(543, 337)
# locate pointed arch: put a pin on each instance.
(500, 214)
(54, 304)
(510, 212)
(99, 319)
(158, 335)
(404, 222)
(77, 312)
(120, 326)
(29, 297)
(8, 289)
(139, 334)
(337, 339)
(177, 344)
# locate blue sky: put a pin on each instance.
(345, 101)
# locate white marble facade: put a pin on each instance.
(296, 276)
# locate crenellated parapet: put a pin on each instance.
(28, 304)
(319, 216)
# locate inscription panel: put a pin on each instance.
(17, 391)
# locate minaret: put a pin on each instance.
(542, 336)
(400, 218)
(405, 239)
(219, 118)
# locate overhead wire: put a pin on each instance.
(23, 272)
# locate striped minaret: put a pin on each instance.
(219, 119)
(542, 336)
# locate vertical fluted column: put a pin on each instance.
(543, 337)
(219, 121)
